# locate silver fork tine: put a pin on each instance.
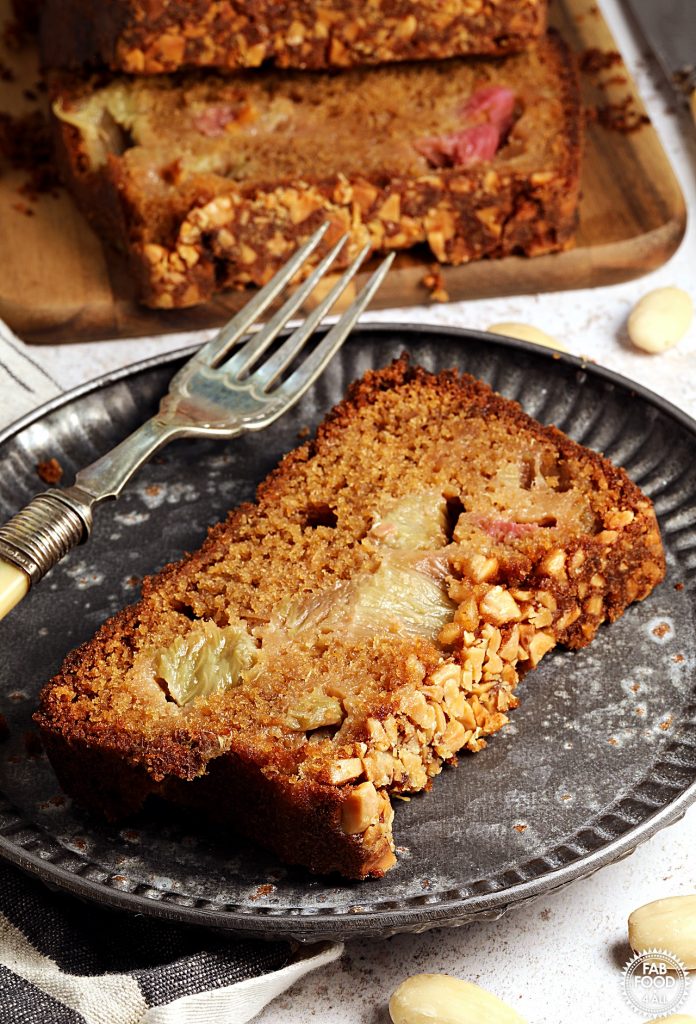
(304, 376)
(244, 357)
(280, 360)
(218, 347)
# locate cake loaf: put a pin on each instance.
(210, 182)
(364, 621)
(137, 36)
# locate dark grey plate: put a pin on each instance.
(599, 756)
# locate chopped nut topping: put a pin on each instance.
(499, 606)
(360, 809)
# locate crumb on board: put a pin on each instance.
(622, 116)
(24, 209)
(666, 723)
(678, 586)
(26, 145)
(435, 283)
(594, 60)
(50, 471)
(662, 629)
(520, 827)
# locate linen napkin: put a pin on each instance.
(63, 961)
(23, 383)
(67, 962)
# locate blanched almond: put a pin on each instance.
(441, 999)
(526, 332)
(668, 924)
(660, 319)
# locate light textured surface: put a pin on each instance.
(558, 961)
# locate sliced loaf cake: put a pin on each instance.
(360, 625)
(208, 182)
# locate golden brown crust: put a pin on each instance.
(215, 232)
(139, 37)
(327, 805)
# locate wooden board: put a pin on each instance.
(59, 284)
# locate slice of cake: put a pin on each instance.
(140, 37)
(362, 623)
(209, 182)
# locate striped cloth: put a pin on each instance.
(23, 383)
(66, 962)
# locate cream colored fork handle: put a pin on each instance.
(14, 585)
(55, 522)
(36, 539)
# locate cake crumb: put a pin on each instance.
(622, 116)
(24, 209)
(594, 60)
(50, 471)
(435, 283)
(262, 890)
(26, 145)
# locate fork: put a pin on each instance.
(214, 395)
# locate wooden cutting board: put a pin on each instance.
(59, 284)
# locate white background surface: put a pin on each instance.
(559, 960)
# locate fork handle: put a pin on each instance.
(55, 522)
(36, 539)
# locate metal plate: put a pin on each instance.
(599, 756)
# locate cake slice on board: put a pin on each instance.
(210, 182)
(368, 618)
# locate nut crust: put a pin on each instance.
(146, 37)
